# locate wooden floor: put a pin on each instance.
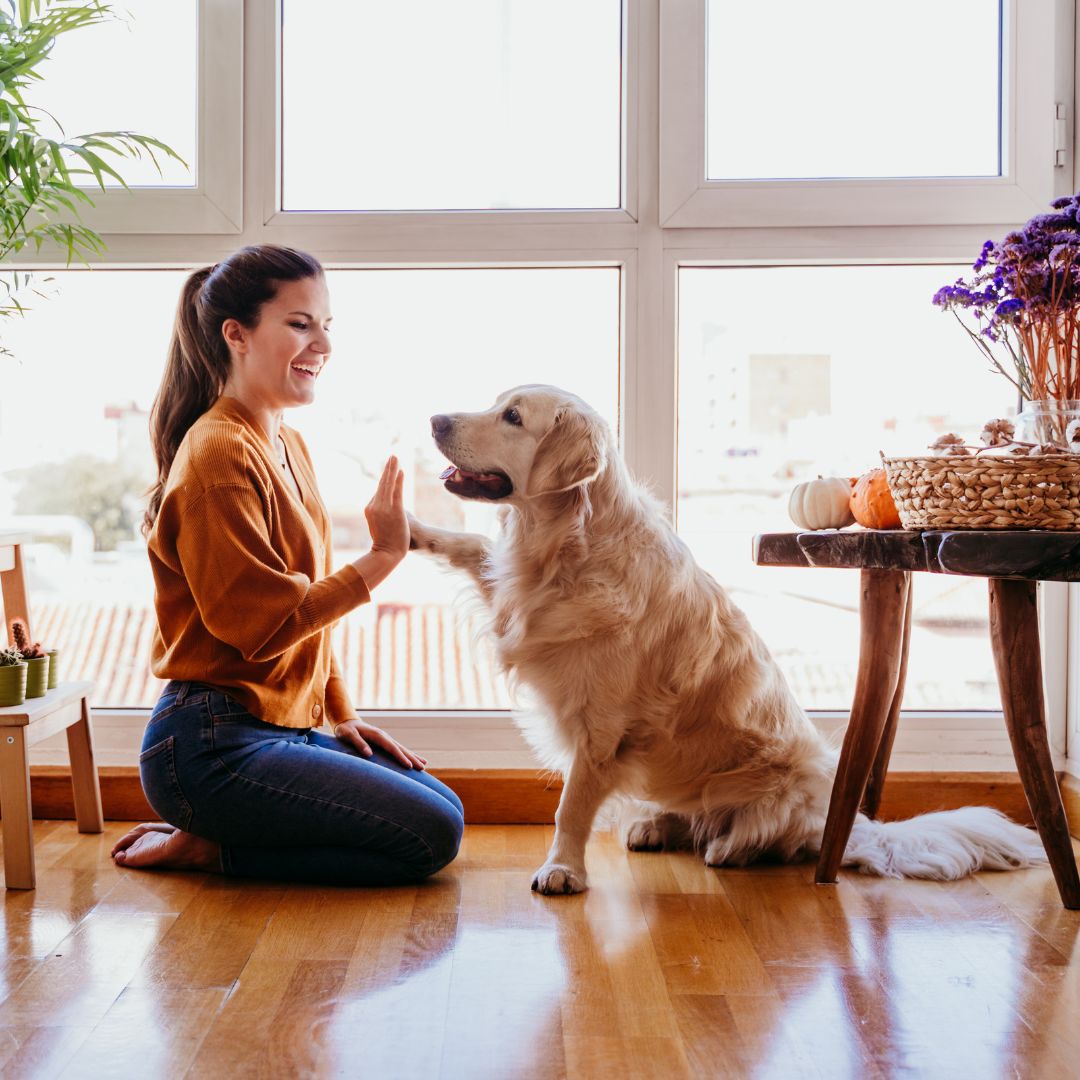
(664, 969)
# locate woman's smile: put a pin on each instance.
(306, 370)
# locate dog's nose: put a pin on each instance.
(440, 424)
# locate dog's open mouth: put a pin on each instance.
(476, 485)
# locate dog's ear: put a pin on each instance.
(571, 454)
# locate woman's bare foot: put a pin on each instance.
(166, 847)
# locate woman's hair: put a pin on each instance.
(198, 361)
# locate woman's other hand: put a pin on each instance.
(364, 736)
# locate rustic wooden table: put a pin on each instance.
(1013, 562)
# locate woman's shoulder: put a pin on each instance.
(218, 449)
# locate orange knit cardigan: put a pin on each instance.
(244, 593)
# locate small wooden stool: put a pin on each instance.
(64, 708)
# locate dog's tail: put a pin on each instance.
(942, 846)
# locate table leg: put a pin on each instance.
(876, 784)
(881, 622)
(15, 807)
(1014, 633)
(84, 777)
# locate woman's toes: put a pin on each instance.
(172, 850)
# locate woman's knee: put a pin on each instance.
(443, 830)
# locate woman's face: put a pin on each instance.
(277, 363)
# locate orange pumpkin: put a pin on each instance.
(872, 502)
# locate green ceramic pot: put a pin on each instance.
(54, 668)
(37, 676)
(12, 684)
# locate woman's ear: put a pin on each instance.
(571, 454)
(235, 335)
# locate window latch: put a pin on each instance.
(1061, 135)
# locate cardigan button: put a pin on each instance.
(316, 711)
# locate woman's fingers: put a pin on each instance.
(360, 743)
(350, 731)
(386, 481)
(400, 753)
(405, 755)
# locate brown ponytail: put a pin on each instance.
(198, 361)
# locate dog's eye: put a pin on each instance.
(512, 416)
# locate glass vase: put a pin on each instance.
(1047, 422)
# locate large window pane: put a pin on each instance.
(843, 88)
(790, 373)
(407, 344)
(137, 72)
(493, 104)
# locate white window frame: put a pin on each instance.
(1037, 75)
(365, 225)
(215, 203)
(639, 238)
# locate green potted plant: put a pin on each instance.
(37, 659)
(40, 176)
(12, 677)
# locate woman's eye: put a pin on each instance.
(298, 325)
(512, 416)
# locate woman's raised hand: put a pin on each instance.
(387, 522)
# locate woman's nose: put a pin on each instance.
(440, 424)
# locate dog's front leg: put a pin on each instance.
(585, 788)
(463, 551)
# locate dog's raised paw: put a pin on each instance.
(552, 879)
(420, 538)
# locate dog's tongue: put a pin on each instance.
(483, 479)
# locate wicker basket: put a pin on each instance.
(1041, 492)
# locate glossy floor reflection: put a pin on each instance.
(664, 969)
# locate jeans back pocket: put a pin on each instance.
(161, 785)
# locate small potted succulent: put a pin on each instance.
(12, 677)
(37, 659)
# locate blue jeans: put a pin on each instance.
(292, 803)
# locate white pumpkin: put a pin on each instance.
(822, 504)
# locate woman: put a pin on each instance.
(239, 541)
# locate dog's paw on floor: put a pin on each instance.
(646, 834)
(657, 832)
(553, 879)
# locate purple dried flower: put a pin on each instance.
(1023, 297)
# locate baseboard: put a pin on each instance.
(1070, 796)
(490, 796)
(529, 797)
(909, 793)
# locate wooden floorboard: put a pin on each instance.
(665, 969)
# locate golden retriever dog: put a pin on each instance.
(651, 684)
